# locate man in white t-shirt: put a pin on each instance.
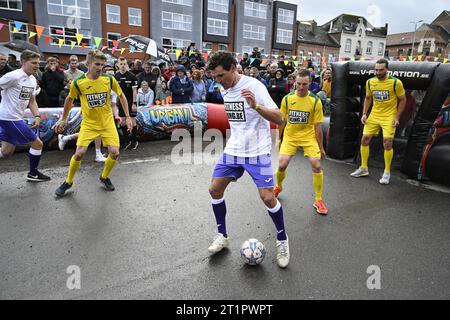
(250, 109)
(18, 90)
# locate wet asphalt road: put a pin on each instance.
(149, 238)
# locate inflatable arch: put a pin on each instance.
(348, 94)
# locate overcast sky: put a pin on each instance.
(396, 13)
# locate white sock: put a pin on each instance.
(98, 152)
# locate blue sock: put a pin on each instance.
(277, 217)
(220, 211)
(35, 157)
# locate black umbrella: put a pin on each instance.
(146, 45)
(21, 45)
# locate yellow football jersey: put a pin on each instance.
(385, 95)
(301, 115)
(95, 98)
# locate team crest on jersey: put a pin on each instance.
(298, 117)
(381, 95)
(26, 93)
(235, 111)
(96, 100)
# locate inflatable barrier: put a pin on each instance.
(348, 94)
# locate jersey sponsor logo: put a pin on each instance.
(298, 117)
(381, 95)
(235, 111)
(26, 93)
(96, 100)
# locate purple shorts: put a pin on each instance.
(259, 168)
(16, 132)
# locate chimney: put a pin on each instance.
(314, 27)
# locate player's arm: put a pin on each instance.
(400, 92)
(35, 110)
(367, 103)
(272, 115)
(283, 110)
(68, 104)
(133, 107)
(319, 137)
(124, 104)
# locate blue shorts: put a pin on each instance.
(259, 168)
(16, 132)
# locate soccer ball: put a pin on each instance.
(252, 252)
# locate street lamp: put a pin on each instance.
(414, 38)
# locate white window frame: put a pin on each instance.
(254, 9)
(110, 14)
(369, 47)
(348, 45)
(250, 33)
(285, 16)
(185, 43)
(187, 3)
(12, 9)
(207, 46)
(225, 45)
(381, 49)
(139, 17)
(86, 14)
(284, 36)
(87, 35)
(218, 25)
(109, 43)
(185, 25)
(21, 31)
(218, 6)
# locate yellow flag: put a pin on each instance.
(15, 30)
(61, 42)
(445, 60)
(122, 50)
(79, 38)
(32, 34)
(178, 53)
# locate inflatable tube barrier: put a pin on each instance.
(348, 94)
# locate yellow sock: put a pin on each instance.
(388, 156)
(280, 176)
(109, 165)
(73, 168)
(364, 156)
(318, 184)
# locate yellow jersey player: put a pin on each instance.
(389, 100)
(93, 89)
(302, 128)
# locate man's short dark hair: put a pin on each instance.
(221, 58)
(383, 61)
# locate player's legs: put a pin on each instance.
(98, 150)
(287, 152)
(75, 163)
(34, 155)
(7, 149)
(388, 156)
(110, 139)
(317, 174)
(363, 170)
(62, 140)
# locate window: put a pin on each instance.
(112, 14)
(11, 4)
(246, 49)
(21, 34)
(348, 45)
(257, 10)
(68, 35)
(218, 5)
(112, 37)
(284, 36)
(176, 21)
(181, 2)
(169, 43)
(134, 17)
(217, 27)
(369, 47)
(285, 16)
(207, 46)
(223, 47)
(70, 8)
(381, 49)
(254, 32)
(288, 54)
(275, 52)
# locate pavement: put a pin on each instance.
(149, 238)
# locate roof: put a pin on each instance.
(425, 31)
(314, 34)
(443, 20)
(348, 23)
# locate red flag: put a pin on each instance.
(83, 45)
(47, 39)
(39, 30)
(116, 43)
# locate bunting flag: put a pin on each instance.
(39, 31)
(113, 50)
(32, 34)
(104, 48)
(286, 62)
(122, 50)
(72, 45)
(251, 60)
(410, 58)
(1, 26)
(115, 44)
(18, 24)
(445, 60)
(79, 38)
(132, 49)
(83, 45)
(275, 56)
(60, 32)
(296, 63)
(205, 56)
(98, 41)
(178, 53)
(47, 39)
(60, 43)
(15, 30)
(436, 59)
(191, 53)
(294, 57)
(362, 59)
